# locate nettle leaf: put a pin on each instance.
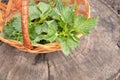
(52, 30)
(8, 30)
(61, 24)
(38, 39)
(65, 12)
(43, 7)
(17, 23)
(52, 25)
(45, 10)
(84, 25)
(57, 10)
(55, 14)
(68, 44)
(78, 20)
(51, 38)
(32, 32)
(41, 28)
(34, 12)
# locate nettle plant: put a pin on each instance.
(51, 23)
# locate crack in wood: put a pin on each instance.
(48, 69)
(39, 58)
(118, 44)
(42, 58)
(118, 11)
(110, 7)
(116, 76)
(115, 4)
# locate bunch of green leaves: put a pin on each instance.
(48, 23)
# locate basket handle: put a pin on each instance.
(24, 19)
(1, 20)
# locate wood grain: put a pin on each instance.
(17, 65)
(96, 58)
(115, 4)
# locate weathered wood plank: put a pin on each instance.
(97, 57)
(17, 65)
(115, 4)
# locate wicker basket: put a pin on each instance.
(21, 6)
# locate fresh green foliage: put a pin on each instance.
(48, 23)
(83, 25)
(34, 12)
(12, 30)
(68, 43)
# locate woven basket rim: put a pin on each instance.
(38, 48)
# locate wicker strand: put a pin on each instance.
(9, 7)
(2, 6)
(1, 20)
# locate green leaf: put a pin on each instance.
(41, 28)
(38, 38)
(73, 41)
(62, 24)
(51, 38)
(12, 29)
(68, 44)
(34, 12)
(52, 30)
(32, 32)
(45, 10)
(43, 7)
(55, 14)
(17, 23)
(7, 30)
(66, 12)
(52, 25)
(84, 25)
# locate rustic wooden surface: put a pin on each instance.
(96, 58)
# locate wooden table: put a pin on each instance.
(96, 58)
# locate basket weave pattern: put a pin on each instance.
(18, 6)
